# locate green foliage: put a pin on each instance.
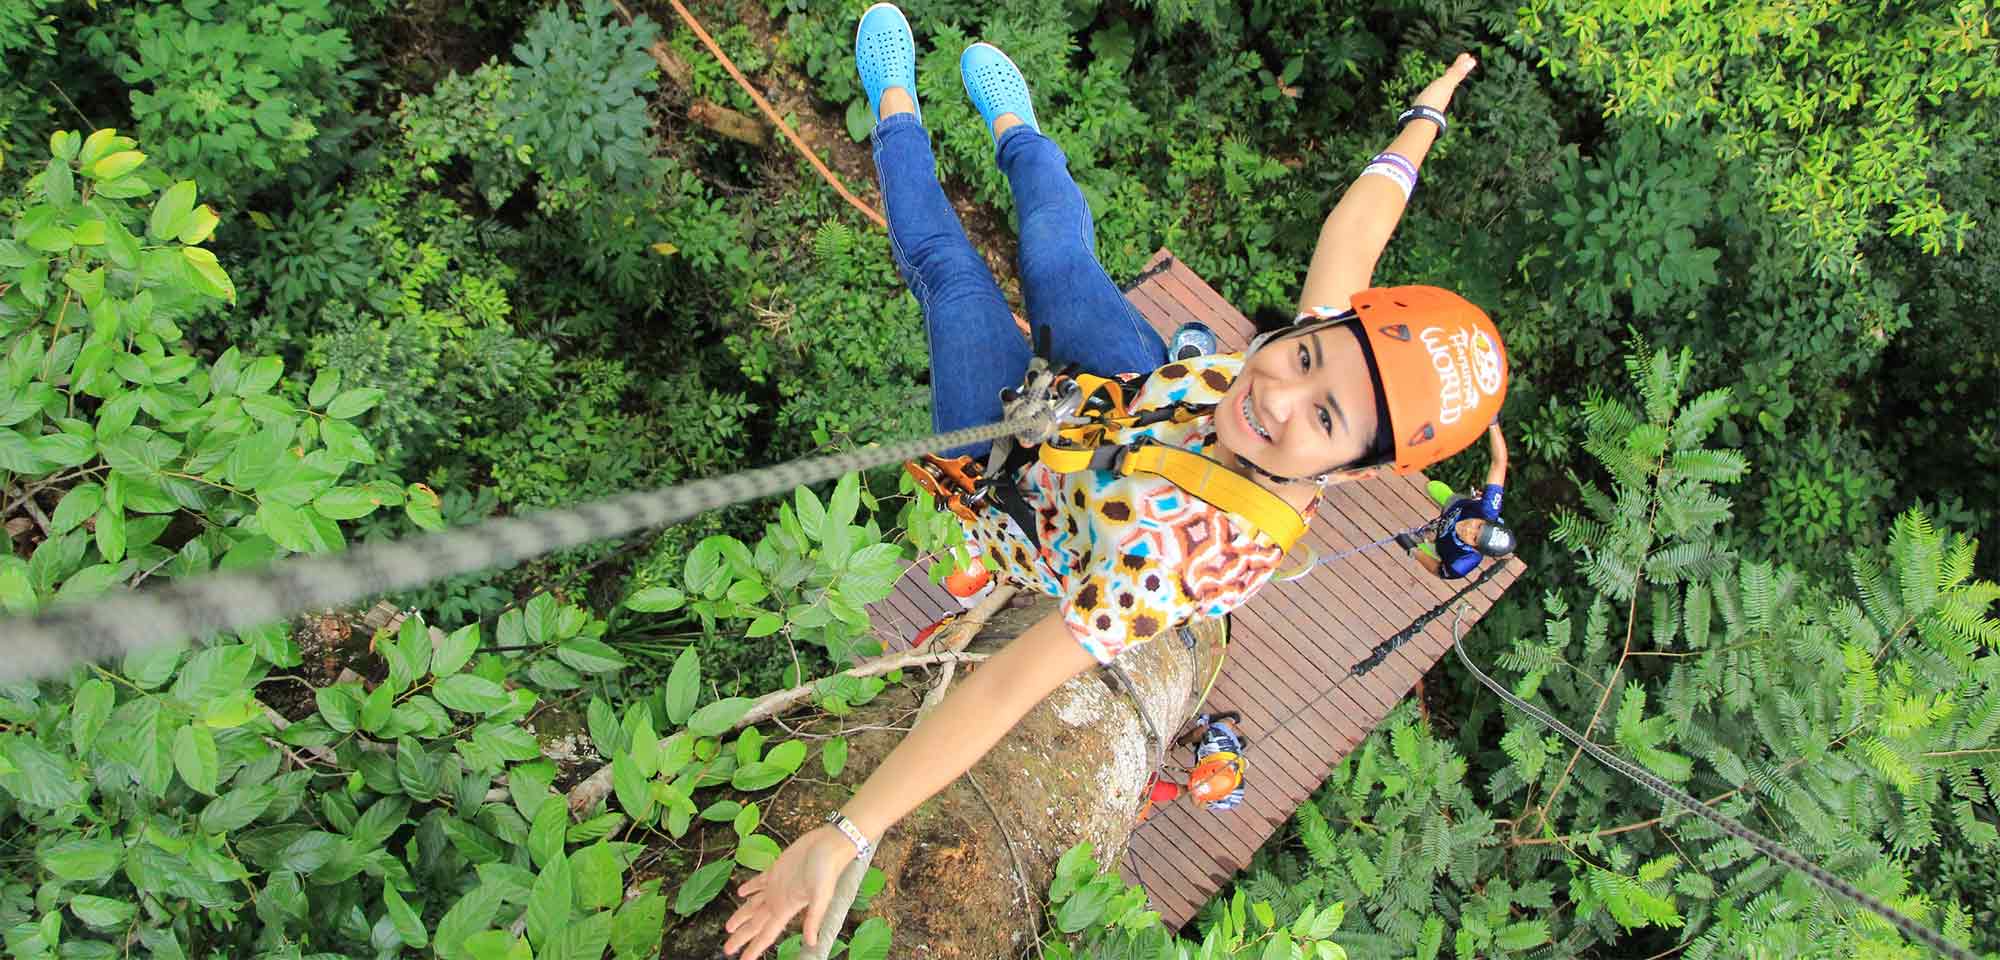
(364, 822)
(112, 414)
(232, 91)
(1626, 238)
(577, 93)
(1844, 110)
(579, 444)
(810, 578)
(1847, 720)
(1093, 913)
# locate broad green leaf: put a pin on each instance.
(757, 852)
(409, 926)
(758, 776)
(473, 913)
(636, 930)
(683, 685)
(551, 902)
(325, 384)
(634, 793)
(598, 871)
(547, 832)
(210, 278)
(585, 939)
(787, 756)
(846, 499)
(590, 656)
(746, 820)
(88, 710)
(716, 718)
(82, 861)
(195, 758)
(237, 808)
(346, 503)
(721, 811)
(833, 756)
(171, 212)
(77, 505)
(812, 515)
(656, 600)
(102, 913)
(451, 653)
(353, 403)
(286, 525)
(468, 693)
(230, 710)
(422, 505)
(200, 225)
(870, 940)
(702, 886)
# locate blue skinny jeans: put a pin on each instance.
(976, 350)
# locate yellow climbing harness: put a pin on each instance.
(1100, 409)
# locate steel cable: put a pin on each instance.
(113, 624)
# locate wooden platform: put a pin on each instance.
(1291, 643)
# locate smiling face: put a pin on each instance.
(1303, 405)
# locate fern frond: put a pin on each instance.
(1881, 605)
(1759, 595)
(1699, 416)
(1884, 759)
(1709, 466)
(1918, 554)
(1696, 609)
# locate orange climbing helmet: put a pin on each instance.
(1440, 366)
(1442, 369)
(1215, 777)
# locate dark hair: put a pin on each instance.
(1382, 449)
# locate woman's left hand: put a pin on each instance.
(802, 878)
(1437, 96)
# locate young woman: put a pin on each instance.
(1367, 379)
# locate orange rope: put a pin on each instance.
(770, 112)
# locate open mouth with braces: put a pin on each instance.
(1250, 418)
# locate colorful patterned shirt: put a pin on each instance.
(1133, 556)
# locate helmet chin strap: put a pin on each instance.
(1276, 478)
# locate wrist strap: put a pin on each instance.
(847, 828)
(1421, 112)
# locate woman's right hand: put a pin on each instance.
(802, 877)
(1438, 94)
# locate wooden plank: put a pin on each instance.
(1313, 671)
(1224, 319)
(1171, 853)
(1209, 296)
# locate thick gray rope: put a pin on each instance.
(1768, 847)
(113, 624)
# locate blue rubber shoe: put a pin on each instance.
(995, 85)
(885, 55)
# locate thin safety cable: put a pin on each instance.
(1768, 847)
(113, 624)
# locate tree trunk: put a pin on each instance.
(967, 871)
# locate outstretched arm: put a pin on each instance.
(979, 710)
(1358, 229)
(1497, 473)
(1428, 562)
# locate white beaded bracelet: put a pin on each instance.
(1394, 173)
(847, 828)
